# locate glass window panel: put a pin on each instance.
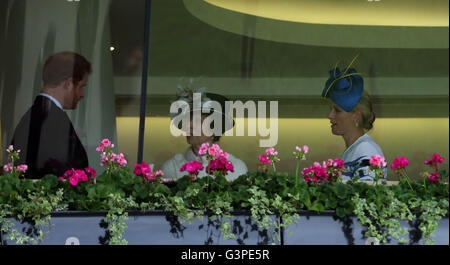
(246, 57)
(31, 31)
(237, 54)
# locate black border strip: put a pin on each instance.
(302, 213)
(145, 63)
(162, 212)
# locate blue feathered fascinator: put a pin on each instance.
(344, 88)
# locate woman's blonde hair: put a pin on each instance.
(368, 115)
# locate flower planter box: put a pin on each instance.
(328, 229)
(149, 228)
(163, 228)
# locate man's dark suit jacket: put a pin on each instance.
(48, 141)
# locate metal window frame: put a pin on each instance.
(144, 80)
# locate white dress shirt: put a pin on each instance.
(52, 99)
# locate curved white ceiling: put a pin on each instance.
(416, 13)
(403, 24)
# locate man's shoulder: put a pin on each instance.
(43, 117)
(43, 109)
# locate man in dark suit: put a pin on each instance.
(45, 135)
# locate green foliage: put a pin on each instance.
(379, 208)
(431, 212)
(117, 216)
(383, 221)
(35, 208)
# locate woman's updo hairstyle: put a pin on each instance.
(368, 115)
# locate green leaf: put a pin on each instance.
(342, 191)
(317, 206)
(341, 212)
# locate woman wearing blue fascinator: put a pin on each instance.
(351, 116)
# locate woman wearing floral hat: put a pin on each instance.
(351, 116)
(171, 168)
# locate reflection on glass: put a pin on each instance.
(34, 30)
(409, 87)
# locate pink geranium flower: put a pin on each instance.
(399, 163)
(203, 149)
(338, 163)
(377, 161)
(69, 173)
(13, 155)
(305, 149)
(73, 180)
(264, 160)
(271, 151)
(10, 149)
(214, 150)
(435, 160)
(121, 160)
(138, 168)
(315, 174)
(21, 168)
(77, 176)
(90, 172)
(104, 144)
(223, 154)
(192, 168)
(335, 168)
(108, 157)
(270, 158)
(218, 161)
(399, 167)
(7, 167)
(434, 177)
(229, 166)
(81, 175)
(220, 165)
(301, 154)
(377, 165)
(143, 169)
